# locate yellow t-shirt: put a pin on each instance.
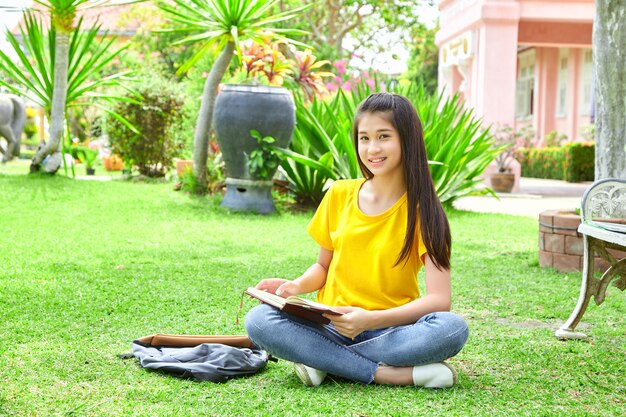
(361, 273)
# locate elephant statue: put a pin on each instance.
(12, 120)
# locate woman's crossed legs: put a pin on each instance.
(432, 339)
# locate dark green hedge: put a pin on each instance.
(580, 162)
(573, 162)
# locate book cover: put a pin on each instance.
(296, 306)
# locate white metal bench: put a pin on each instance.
(604, 201)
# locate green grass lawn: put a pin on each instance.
(87, 266)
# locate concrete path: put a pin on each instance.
(535, 196)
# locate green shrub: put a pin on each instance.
(573, 162)
(542, 162)
(31, 142)
(156, 140)
(580, 162)
(555, 139)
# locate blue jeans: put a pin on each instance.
(433, 338)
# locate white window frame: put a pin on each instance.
(562, 83)
(525, 85)
(586, 82)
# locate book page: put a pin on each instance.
(307, 303)
(266, 296)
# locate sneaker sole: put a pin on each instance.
(455, 376)
(303, 374)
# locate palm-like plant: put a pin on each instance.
(48, 79)
(32, 76)
(225, 23)
(62, 15)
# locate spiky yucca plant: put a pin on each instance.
(61, 66)
(458, 147)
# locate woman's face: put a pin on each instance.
(379, 144)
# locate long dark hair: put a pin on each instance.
(420, 188)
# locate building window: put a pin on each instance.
(525, 88)
(561, 96)
(586, 82)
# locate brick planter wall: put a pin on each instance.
(560, 245)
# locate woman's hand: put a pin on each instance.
(279, 286)
(353, 322)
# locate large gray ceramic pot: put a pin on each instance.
(238, 110)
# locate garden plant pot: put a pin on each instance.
(238, 110)
(91, 171)
(502, 182)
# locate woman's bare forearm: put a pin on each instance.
(314, 277)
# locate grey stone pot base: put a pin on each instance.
(249, 195)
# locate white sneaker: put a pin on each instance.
(434, 375)
(310, 377)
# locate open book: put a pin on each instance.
(297, 306)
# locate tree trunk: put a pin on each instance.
(57, 117)
(205, 117)
(609, 48)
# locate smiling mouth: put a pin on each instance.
(377, 160)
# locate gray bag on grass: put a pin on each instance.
(216, 362)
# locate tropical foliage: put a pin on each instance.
(308, 74)
(456, 141)
(322, 149)
(87, 156)
(263, 62)
(225, 23)
(278, 63)
(33, 75)
(59, 67)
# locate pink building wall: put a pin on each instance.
(510, 52)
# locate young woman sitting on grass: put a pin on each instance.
(375, 234)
